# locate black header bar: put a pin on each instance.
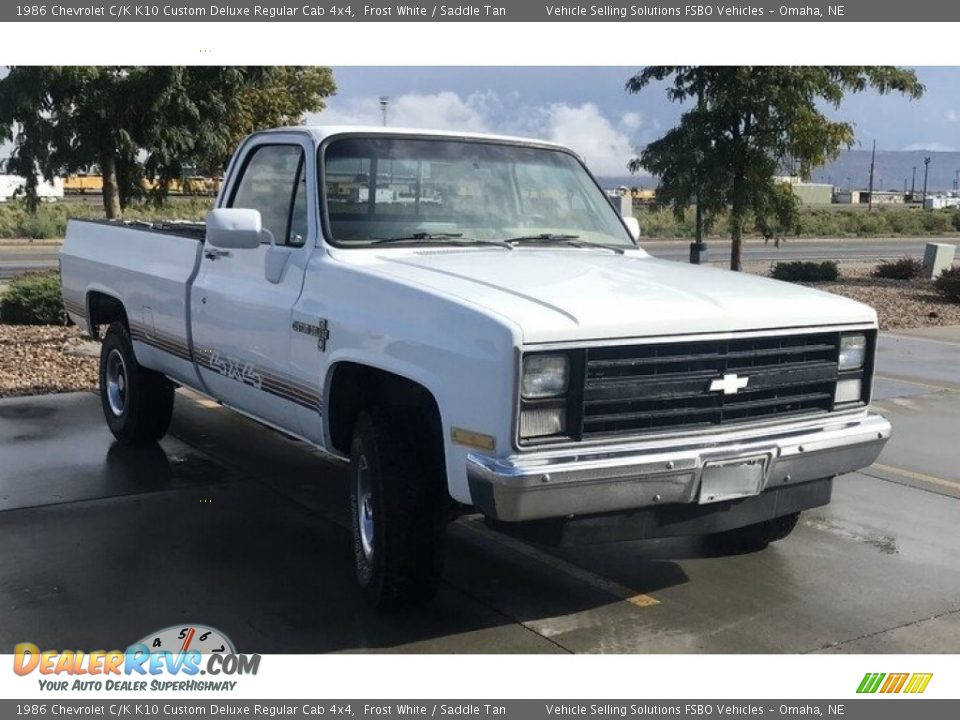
(505, 11)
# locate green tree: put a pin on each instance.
(744, 125)
(133, 122)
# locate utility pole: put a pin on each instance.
(913, 185)
(384, 101)
(926, 171)
(956, 181)
(873, 162)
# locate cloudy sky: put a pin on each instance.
(588, 109)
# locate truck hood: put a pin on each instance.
(561, 294)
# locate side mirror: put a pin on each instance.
(234, 228)
(633, 225)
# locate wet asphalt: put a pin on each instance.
(230, 525)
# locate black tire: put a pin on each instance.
(137, 402)
(755, 537)
(398, 495)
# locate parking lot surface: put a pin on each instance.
(230, 525)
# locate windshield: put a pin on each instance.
(383, 189)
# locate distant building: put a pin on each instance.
(862, 197)
(884, 197)
(806, 192)
(941, 202)
(847, 197)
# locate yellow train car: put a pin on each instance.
(193, 185)
(82, 184)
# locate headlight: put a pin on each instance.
(545, 376)
(853, 351)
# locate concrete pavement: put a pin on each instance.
(234, 526)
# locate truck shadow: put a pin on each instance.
(244, 530)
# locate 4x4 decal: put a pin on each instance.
(248, 373)
(236, 369)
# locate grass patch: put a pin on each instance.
(906, 268)
(800, 271)
(948, 284)
(50, 220)
(33, 299)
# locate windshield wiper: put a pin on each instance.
(571, 240)
(447, 238)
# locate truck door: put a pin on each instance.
(241, 305)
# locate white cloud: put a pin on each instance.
(930, 146)
(439, 111)
(632, 120)
(606, 149)
(953, 116)
(605, 145)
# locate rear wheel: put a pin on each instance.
(398, 505)
(755, 537)
(137, 402)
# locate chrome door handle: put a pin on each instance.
(214, 253)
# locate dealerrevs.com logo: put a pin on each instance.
(890, 683)
(170, 659)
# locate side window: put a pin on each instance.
(274, 182)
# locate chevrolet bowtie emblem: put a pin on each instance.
(730, 384)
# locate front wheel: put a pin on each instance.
(398, 510)
(755, 537)
(137, 402)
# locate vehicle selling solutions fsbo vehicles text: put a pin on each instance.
(701, 11)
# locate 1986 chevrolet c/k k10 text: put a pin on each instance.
(467, 321)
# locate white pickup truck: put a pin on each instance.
(467, 322)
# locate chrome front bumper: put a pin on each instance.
(657, 472)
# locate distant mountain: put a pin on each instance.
(852, 169)
(893, 170)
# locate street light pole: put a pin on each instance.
(873, 162)
(926, 172)
(384, 101)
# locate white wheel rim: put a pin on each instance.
(116, 380)
(365, 507)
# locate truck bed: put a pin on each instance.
(148, 268)
(190, 229)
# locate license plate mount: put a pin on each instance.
(723, 480)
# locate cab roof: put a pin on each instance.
(322, 132)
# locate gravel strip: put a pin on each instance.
(39, 359)
(899, 304)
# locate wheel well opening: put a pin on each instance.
(354, 387)
(103, 309)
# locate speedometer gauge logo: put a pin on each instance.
(185, 638)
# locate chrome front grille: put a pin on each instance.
(639, 388)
